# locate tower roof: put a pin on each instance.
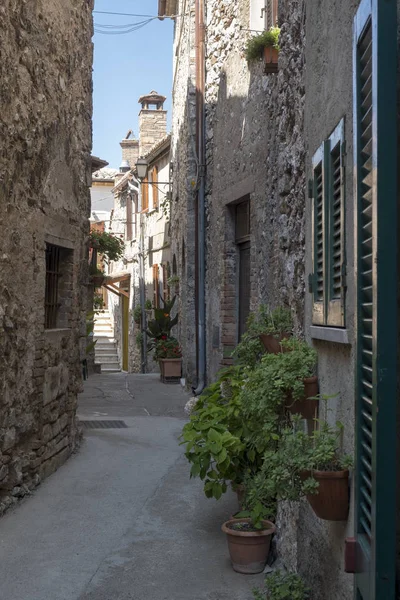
(152, 98)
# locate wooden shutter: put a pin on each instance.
(145, 194)
(166, 289)
(271, 13)
(318, 220)
(336, 280)
(154, 187)
(156, 287)
(129, 217)
(375, 131)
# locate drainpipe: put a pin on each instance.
(200, 204)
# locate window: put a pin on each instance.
(242, 238)
(58, 292)
(156, 287)
(154, 187)
(145, 194)
(263, 14)
(328, 280)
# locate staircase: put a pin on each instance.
(105, 350)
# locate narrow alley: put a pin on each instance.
(122, 520)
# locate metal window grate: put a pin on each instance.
(104, 424)
(52, 280)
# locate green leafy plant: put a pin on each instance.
(148, 305)
(283, 586)
(111, 247)
(94, 271)
(277, 322)
(173, 280)
(256, 44)
(282, 472)
(139, 339)
(160, 327)
(98, 302)
(220, 444)
(167, 348)
(137, 314)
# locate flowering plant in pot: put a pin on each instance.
(160, 327)
(169, 355)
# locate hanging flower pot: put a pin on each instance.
(307, 406)
(271, 59)
(248, 547)
(97, 280)
(331, 502)
(272, 343)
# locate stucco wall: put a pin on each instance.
(45, 125)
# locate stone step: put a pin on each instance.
(108, 351)
(107, 360)
(111, 368)
(103, 328)
(103, 335)
(102, 321)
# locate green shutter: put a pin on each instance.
(336, 238)
(375, 126)
(318, 220)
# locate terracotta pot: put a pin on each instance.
(248, 549)
(331, 503)
(272, 344)
(97, 280)
(170, 367)
(271, 59)
(305, 407)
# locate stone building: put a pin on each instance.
(299, 172)
(45, 174)
(143, 223)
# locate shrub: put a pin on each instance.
(256, 44)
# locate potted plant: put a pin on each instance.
(286, 379)
(277, 325)
(96, 276)
(298, 364)
(248, 544)
(168, 353)
(311, 466)
(137, 314)
(148, 308)
(106, 244)
(162, 323)
(98, 302)
(283, 586)
(266, 45)
(221, 445)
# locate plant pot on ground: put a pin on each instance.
(169, 355)
(248, 546)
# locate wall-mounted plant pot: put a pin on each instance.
(331, 503)
(170, 369)
(306, 406)
(248, 549)
(272, 344)
(97, 280)
(271, 59)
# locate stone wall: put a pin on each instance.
(45, 132)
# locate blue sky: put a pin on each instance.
(126, 67)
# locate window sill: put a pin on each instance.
(330, 334)
(60, 331)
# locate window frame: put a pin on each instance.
(328, 311)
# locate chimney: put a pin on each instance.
(130, 149)
(152, 121)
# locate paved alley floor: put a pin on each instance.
(121, 520)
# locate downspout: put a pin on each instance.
(200, 204)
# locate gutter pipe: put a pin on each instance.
(200, 204)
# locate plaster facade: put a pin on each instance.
(45, 175)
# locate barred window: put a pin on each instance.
(58, 291)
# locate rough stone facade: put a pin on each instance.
(45, 173)
(147, 233)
